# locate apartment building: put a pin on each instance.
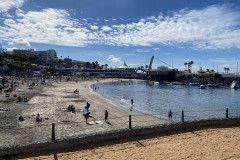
(46, 56)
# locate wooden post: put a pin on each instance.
(53, 132)
(182, 115)
(130, 122)
(226, 112)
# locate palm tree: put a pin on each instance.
(212, 71)
(88, 64)
(185, 64)
(96, 64)
(190, 66)
(226, 69)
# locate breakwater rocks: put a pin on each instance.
(213, 79)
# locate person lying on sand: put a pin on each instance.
(4, 109)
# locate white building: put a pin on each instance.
(46, 56)
(124, 66)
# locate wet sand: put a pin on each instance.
(212, 144)
(48, 101)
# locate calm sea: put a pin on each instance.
(158, 99)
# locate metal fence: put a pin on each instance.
(69, 129)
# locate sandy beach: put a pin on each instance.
(209, 144)
(49, 101)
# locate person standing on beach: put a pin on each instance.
(87, 106)
(170, 115)
(86, 116)
(106, 116)
(131, 105)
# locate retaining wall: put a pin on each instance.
(115, 137)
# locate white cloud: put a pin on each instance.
(20, 42)
(50, 26)
(106, 28)
(143, 50)
(214, 27)
(6, 5)
(94, 27)
(114, 59)
(11, 49)
(7, 15)
(156, 49)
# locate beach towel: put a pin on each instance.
(98, 122)
(91, 122)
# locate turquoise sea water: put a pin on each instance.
(155, 99)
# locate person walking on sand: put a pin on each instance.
(86, 116)
(87, 106)
(131, 105)
(106, 116)
(170, 115)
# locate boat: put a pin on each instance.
(150, 82)
(202, 86)
(175, 83)
(194, 84)
(156, 82)
(213, 85)
(234, 85)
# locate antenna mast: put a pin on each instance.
(150, 67)
(237, 67)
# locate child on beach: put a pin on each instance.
(131, 105)
(170, 115)
(38, 118)
(106, 115)
(21, 118)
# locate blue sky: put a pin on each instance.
(111, 31)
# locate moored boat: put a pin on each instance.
(213, 85)
(194, 84)
(234, 85)
(175, 83)
(202, 86)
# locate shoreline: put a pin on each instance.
(71, 130)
